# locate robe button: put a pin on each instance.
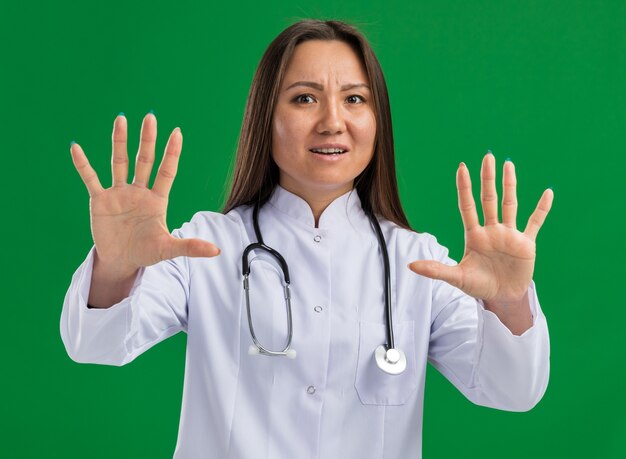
(317, 238)
(310, 390)
(318, 309)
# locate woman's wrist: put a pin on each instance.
(110, 283)
(515, 315)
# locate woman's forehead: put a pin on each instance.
(325, 61)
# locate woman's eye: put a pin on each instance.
(354, 99)
(309, 99)
(304, 99)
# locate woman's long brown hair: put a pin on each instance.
(256, 174)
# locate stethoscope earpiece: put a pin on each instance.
(253, 349)
(290, 353)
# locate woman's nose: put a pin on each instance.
(331, 119)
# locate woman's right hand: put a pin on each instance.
(128, 221)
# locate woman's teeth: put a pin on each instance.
(328, 151)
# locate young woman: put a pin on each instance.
(313, 344)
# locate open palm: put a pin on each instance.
(499, 260)
(128, 221)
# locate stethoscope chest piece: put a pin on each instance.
(391, 361)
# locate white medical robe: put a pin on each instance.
(331, 401)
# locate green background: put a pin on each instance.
(542, 82)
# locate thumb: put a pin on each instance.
(435, 270)
(190, 248)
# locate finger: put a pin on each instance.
(467, 205)
(119, 158)
(145, 154)
(189, 248)
(488, 193)
(169, 164)
(509, 195)
(435, 270)
(86, 172)
(539, 215)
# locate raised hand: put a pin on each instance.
(128, 221)
(499, 260)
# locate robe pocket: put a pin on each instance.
(374, 386)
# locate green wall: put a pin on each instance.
(541, 82)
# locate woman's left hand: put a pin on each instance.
(499, 260)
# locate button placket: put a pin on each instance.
(319, 323)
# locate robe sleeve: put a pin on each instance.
(155, 309)
(480, 356)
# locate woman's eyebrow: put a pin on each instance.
(319, 87)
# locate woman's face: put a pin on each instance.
(324, 102)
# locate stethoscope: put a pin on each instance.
(388, 358)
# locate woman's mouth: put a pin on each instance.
(328, 151)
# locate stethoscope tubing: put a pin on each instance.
(383, 248)
(388, 358)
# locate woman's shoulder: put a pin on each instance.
(214, 226)
(422, 245)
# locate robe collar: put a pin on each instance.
(344, 209)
